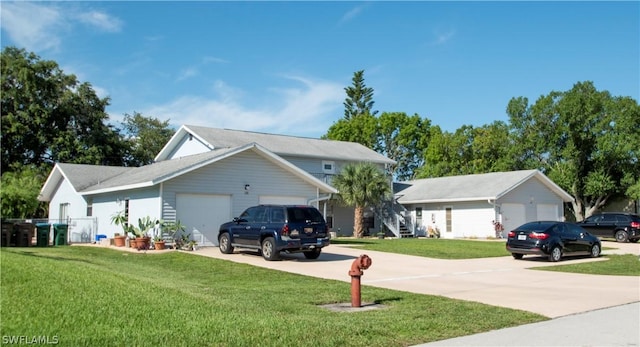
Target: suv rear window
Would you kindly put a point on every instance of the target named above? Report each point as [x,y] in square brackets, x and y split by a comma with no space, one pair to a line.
[302,215]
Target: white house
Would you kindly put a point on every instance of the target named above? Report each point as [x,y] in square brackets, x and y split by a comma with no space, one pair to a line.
[204,177]
[467,206]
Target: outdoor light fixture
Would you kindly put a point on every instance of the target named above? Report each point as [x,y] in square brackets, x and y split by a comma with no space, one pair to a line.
[246,188]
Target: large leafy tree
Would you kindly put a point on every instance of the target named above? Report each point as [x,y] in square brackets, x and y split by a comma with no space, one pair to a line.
[146,137]
[402,138]
[19,193]
[48,116]
[361,185]
[585,140]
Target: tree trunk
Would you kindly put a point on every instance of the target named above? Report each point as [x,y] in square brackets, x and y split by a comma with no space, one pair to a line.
[358,218]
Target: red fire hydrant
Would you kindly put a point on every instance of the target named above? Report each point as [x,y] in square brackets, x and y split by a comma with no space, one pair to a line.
[361,263]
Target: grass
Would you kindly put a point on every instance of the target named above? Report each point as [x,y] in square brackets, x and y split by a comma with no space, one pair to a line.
[89,296]
[432,248]
[621,265]
[615,265]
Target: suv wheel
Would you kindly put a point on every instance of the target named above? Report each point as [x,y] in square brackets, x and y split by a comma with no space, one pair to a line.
[313,254]
[622,236]
[555,254]
[269,249]
[225,244]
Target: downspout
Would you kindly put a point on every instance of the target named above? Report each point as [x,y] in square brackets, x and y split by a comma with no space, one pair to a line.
[161,197]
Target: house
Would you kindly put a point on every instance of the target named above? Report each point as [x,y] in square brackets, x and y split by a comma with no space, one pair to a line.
[467,206]
[204,177]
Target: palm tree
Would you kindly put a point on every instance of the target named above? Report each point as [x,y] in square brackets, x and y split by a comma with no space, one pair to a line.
[361,185]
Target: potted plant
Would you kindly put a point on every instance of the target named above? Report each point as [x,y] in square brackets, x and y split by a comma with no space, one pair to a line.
[158,243]
[141,232]
[120,219]
[175,231]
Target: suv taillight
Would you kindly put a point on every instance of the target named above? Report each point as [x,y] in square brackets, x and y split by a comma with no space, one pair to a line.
[539,236]
[635,225]
[512,234]
[285,230]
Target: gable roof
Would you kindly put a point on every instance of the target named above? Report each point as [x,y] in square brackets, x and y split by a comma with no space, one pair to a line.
[489,186]
[94,179]
[282,145]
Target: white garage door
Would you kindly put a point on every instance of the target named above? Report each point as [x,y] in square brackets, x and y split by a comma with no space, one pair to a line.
[202,215]
[282,200]
[513,216]
[547,212]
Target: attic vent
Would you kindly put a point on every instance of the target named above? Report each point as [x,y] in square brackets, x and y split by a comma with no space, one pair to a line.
[190,137]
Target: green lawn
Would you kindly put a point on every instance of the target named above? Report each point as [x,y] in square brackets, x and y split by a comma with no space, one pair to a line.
[616,264]
[627,265]
[89,296]
[432,248]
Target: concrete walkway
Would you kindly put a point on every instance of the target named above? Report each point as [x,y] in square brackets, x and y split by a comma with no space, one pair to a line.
[500,281]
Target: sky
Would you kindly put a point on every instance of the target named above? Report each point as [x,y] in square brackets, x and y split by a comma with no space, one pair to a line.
[282,67]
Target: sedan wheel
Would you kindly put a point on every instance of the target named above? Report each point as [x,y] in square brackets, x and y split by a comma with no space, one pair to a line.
[269,249]
[622,236]
[595,251]
[555,254]
[517,255]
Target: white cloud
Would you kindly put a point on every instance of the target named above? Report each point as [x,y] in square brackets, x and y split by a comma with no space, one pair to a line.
[40,27]
[101,21]
[443,37]
[352,13]
[306,109]
[31,26]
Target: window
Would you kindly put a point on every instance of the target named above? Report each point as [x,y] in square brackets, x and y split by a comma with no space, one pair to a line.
[328,167]
[448,219]
[63,214]
[89,207]
[419,212]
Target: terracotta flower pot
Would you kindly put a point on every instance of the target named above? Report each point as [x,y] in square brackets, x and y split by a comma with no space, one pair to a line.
[118,241]
[159,245]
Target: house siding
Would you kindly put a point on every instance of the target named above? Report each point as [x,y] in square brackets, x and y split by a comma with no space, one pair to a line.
[142,203]
[66,194]
[188,146]
[229,176]
[531,193]
[468,219]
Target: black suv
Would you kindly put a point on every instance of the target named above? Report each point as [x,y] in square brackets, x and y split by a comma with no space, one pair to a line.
[622,226]
[275,228]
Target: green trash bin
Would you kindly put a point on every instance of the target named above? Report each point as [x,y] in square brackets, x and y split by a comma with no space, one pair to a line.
[43,230]
[60,234]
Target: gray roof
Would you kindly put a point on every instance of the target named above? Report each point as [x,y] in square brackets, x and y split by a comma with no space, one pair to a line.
[94,179]
[470,187]
[282,145]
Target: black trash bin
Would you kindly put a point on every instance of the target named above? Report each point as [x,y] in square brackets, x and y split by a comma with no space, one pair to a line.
[60,234]
[7,230]
[43,230]
[24,234]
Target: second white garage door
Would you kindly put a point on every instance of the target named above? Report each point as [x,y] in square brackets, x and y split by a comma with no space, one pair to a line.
[202,215]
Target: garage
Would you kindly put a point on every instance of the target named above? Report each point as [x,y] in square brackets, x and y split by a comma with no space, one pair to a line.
[202,215]
[513,215]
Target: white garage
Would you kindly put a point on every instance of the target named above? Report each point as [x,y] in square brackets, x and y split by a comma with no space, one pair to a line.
[202,215]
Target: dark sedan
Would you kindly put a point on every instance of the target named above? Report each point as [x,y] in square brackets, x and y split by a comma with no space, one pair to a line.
[552,239]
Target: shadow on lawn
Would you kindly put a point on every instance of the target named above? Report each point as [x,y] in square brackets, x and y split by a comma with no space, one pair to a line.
[46,256]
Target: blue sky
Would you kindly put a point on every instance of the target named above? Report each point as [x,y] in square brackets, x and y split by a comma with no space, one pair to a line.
[281,67]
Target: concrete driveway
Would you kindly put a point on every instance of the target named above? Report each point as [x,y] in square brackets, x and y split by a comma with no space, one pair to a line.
[499,281]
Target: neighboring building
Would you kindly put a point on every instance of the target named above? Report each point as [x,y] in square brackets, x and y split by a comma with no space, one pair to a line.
[204,177]
[467,206]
